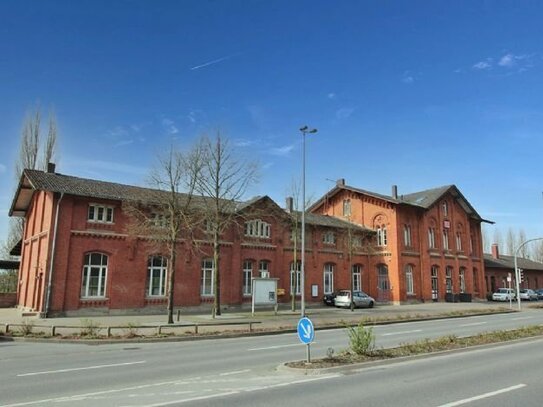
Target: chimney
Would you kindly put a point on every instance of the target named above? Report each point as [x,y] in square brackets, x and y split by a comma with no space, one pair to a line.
[51,168]
[340,182]
[290,204]
[495,251]
[395,191]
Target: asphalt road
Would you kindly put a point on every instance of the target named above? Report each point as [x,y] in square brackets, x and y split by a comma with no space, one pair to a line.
[242,371]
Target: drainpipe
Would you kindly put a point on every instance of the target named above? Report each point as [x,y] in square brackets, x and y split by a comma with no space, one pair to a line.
[50,277]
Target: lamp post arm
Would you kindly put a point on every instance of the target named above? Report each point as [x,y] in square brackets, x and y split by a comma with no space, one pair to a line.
[517,273]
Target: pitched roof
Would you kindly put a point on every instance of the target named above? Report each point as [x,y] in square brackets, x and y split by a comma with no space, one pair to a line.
[423,199]
[508,262]
[330,221]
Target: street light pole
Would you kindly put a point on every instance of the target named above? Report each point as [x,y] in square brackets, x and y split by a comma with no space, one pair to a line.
[304,131]
[517,273]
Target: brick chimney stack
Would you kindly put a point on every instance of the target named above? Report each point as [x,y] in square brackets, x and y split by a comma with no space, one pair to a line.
[495,251]
[395,191]
[290,204]
[51,168]
[340,182]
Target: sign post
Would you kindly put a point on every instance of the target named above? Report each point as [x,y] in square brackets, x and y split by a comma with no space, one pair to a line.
[306,334]
[510,294]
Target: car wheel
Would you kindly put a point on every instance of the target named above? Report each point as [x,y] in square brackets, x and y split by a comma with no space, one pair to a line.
[370,305]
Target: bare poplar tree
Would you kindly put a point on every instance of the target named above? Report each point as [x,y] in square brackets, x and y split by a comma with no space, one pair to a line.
[511,242]
[487,243]
[167,215]
[497,239]
[223,182]
[524,251]
[50,144]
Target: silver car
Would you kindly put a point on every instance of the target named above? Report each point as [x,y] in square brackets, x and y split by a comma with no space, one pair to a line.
[503,294]
[360,299]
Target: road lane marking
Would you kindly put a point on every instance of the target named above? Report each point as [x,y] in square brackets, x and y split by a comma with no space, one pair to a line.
[80,368]
[277,346]
[211,396]
[519,318]
[402,332]
[483,396]
[235,372]
[473,324]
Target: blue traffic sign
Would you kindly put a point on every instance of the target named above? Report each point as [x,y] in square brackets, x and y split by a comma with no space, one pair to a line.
[306,332]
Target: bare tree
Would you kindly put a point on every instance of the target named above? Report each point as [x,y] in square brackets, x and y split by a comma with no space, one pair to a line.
[487,243]
[497,239]
[524,251]
[50,144]
[537,251]
[168,213]
[224,180]
[511,242]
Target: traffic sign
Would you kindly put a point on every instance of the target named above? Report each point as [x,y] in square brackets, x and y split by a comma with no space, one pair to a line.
[306,332]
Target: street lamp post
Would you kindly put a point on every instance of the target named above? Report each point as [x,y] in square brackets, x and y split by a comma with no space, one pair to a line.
[517,273]
[305,130]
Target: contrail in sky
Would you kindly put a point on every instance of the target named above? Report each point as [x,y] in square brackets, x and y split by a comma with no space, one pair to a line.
[215,61]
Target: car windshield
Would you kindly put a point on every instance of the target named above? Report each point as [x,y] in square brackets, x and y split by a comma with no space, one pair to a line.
[344,294]
[503,290]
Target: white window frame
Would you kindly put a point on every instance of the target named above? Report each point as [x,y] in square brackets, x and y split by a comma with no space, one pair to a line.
[264,268]
[91,271]
[247,283]
[458,241]
[329,237]
[346,207]
[382,236]
[448,279]
[462,277]
[258,228]
[97,213]
[328,278]
[207,278]
[445,208]
[162,271]
[409,282]
[407,235]
[296,278]
[356,271]
[431,238]
[446,239]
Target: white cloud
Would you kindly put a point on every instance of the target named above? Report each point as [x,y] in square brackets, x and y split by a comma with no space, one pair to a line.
[2,168]
[118,131]
[169,126]
[282,151]
[344,113]
[267,165]
[483,65]
[331,95]
[98,167]
[507,60]
[243,143]
[123,143]
[408,79]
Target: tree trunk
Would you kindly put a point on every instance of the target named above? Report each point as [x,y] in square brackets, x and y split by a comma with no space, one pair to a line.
[216,276]
[171,282]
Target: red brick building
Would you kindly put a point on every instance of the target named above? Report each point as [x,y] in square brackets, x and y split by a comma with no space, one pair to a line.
[78,258]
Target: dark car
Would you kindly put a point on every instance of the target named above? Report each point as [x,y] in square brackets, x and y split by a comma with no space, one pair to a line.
[328,299]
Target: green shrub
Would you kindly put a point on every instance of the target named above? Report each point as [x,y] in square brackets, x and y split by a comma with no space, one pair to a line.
[361,339]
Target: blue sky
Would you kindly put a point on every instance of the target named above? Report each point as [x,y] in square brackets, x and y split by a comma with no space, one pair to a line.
[414,93]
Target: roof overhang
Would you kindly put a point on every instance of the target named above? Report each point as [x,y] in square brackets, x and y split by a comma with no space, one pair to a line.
[22,198]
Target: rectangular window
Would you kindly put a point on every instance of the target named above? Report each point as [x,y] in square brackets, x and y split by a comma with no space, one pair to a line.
[459,242]
[357,277]
[328,278]
[445,239]
[347,207]
[462,276]
[157,268]
[381,236]
[407,235]
[448,279]
[94,276]
[329,238]
[208,270]
[264,269]
[431,238]
[296,278]
[100,214]
[247,277]
[409,286]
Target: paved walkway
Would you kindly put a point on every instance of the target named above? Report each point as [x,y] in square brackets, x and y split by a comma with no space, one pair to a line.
[264,319]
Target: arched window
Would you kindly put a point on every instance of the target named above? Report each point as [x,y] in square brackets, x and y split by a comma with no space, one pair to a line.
[295,278]
[431,238]
[157,271]
[257,228]
[206,284]
[328,278]
[383,282]
[346,207]
[448,279]
[462,278]
[357,277]
[407,235]
[247,277]
[94,275]
[409,285]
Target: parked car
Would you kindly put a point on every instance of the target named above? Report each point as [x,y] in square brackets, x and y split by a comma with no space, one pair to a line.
[360,299]
[539,293]
[503,294]
[527,294]
[328,299]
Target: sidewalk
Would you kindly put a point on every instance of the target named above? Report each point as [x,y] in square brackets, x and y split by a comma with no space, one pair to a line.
[264,319]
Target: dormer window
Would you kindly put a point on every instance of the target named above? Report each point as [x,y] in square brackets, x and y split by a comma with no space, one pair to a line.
[258,228]
[100,214]
[329,238]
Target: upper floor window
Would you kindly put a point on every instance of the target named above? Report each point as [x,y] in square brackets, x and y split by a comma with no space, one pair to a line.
[458,241]
[431,238]
[356,241]
[257,228]
[347,207]
[445,208]
[264,269]
[445,239]
[407,235]
[94,275]
[382,236]
[296,234]
[100,213]
[329,237]
[159,220]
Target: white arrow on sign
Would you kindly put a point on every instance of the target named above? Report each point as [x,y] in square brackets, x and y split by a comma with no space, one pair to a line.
[307,331]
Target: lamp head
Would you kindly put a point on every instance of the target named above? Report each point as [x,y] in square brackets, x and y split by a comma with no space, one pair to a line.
[312,131]
[304,128]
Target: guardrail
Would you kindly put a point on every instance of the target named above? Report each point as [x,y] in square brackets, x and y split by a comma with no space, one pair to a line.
[159,329]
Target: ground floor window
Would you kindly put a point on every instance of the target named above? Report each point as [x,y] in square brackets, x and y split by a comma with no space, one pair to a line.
[448,279]
[296,278]
[409,286]
[383,282]
[157,270]
[94,275]
[328,278]
[247,277]
[357,277]
[264,269]
[208,269]
[462,278]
